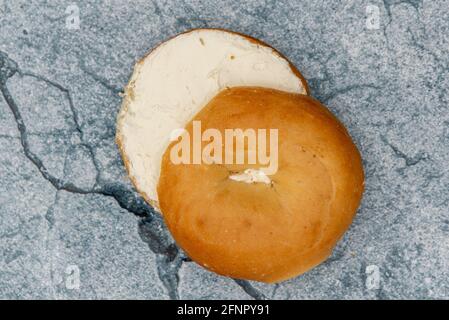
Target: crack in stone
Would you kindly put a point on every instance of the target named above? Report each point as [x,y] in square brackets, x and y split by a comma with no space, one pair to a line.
[152,230]
[250,290]
[157,8]
[389,4]
[168,272]
[409,161]
[100,80]
[151,226]
[420,46]
[56,182]
[275,289]
[347,89]
[11,255]
[73,111]
[317,85]
[432,177]
[126,198]
[192,18]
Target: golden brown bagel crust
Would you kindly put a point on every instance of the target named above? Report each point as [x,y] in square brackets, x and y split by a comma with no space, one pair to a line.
[260,231]
[128,96]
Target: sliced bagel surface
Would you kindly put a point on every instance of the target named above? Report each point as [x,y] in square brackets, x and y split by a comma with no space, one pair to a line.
[177,79]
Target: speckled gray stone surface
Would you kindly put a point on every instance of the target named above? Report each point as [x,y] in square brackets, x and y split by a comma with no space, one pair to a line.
[71,225]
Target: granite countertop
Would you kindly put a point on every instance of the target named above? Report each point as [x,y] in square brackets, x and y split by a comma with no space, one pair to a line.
[71,225]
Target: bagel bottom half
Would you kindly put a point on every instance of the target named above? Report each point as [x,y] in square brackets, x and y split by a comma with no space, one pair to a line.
[261,231]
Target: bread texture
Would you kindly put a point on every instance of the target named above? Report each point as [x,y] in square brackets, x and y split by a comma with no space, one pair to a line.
[273,231]
[176,79]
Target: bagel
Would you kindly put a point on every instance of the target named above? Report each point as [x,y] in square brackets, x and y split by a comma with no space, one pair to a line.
[266,227]
[174,81]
